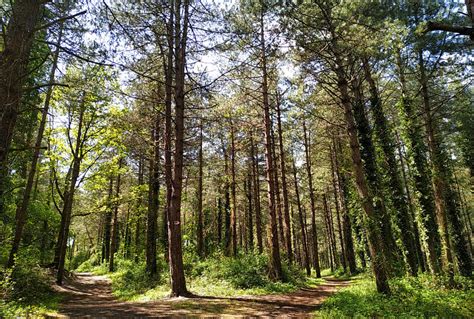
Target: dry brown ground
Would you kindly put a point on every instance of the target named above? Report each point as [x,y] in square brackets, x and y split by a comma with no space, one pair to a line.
[89,296]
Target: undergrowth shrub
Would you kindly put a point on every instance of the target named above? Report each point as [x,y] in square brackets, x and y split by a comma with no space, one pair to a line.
[92,264]
[425,296]
[131,278]
[244,271]
[26,289]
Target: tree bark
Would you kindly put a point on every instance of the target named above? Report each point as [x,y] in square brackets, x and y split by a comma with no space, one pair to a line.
[227,233]
[387,144]
[178,283]
[250,211]
[115,228]
[22,209]
[332,155]
[153,198]
[200,225]
[346,221]
[14,59]
[281,234]
[302,223]
[284,186]
[421,174]
[69,195]
[314,234]
[233,212]
[108,223]
[275,264]
[372,215]
[447,210]
[256,192]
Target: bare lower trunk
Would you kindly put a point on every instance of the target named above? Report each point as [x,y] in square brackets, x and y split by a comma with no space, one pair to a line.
[314,233]
[200,226]
[302,223]
[233,212]
[284,186]
[115,229]
[153,198]
[256,192]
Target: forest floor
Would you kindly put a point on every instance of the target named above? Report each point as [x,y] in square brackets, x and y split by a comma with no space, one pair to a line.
[88,295]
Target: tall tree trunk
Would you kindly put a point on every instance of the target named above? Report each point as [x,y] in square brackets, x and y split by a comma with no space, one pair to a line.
[372,214]
[256,192]
[227,234]
[419,252]
[69,195]
[346,220]
[233,212]
[314,234]
[332,155]
[399,201]
[284,186]
[445,198]
[22,209]
[178,283]
[139,203]
[219,221]
[329,233]
[275,261]
[108,223]
[302,223]
[14,59]
[153,198]
[200,225]
[115,228]
[373,177]
[249,194]
[168,65]
[421,174]
[281,234]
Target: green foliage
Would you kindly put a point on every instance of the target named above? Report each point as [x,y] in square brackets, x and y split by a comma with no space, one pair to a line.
[80,258]
[422,297]
[131,278]
[244,272]
[26,290]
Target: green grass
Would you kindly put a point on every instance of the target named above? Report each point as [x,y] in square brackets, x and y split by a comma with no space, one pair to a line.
[422,297]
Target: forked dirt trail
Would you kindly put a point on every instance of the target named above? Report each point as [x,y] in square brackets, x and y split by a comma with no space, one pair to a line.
[90,296]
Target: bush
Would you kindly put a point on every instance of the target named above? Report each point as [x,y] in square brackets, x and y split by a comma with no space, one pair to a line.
[80,258]
[424,296]
[246,271]
[91,265]
[26,289]
[131,278]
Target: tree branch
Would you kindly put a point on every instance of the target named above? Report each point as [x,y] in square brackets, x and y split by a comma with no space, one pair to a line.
[438,26]
[47,25]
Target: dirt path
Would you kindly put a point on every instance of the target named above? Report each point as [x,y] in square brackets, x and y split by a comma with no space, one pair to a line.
[90,296]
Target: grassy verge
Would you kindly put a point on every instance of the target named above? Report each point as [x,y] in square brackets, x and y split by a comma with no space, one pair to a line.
[422,297]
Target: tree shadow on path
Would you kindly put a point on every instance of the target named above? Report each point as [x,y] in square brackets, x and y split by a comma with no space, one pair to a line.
[90,296]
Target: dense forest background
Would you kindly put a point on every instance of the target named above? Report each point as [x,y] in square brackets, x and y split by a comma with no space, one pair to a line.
[255,141]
